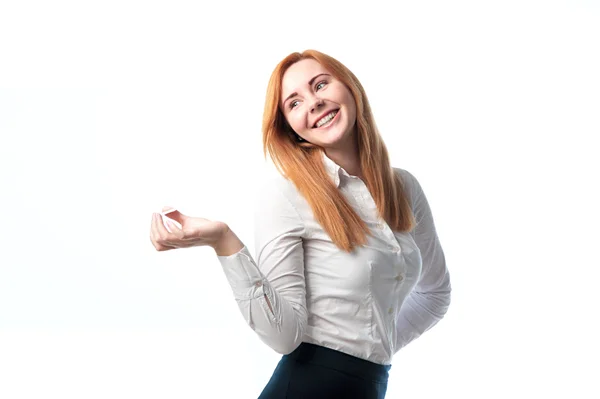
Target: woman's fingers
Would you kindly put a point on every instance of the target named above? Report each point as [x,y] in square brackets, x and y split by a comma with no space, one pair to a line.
[154,235]
[173,214]
[167,232]
[175,229]
[160,236]
[176,238]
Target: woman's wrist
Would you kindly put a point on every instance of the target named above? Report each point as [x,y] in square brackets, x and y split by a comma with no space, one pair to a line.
[228,243]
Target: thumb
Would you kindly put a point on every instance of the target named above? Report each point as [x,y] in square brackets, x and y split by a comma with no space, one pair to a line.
[173,213]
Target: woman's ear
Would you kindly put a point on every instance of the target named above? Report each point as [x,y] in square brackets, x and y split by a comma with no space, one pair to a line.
[288,129]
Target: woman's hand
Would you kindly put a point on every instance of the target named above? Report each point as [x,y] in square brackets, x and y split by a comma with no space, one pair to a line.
[194,231]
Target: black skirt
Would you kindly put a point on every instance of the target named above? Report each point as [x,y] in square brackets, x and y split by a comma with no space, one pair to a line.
[316,372]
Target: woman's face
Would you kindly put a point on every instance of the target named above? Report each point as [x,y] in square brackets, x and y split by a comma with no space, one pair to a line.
[318,107]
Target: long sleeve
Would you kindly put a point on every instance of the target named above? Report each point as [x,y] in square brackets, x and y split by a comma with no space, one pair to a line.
[428,302]
[270,292]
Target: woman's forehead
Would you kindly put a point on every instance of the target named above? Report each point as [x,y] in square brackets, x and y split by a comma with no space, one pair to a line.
[299,74]
[305,66]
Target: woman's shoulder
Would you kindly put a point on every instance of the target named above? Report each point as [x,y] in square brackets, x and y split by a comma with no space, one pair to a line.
[408,179]
[275,182]
[274,190]
[278,202]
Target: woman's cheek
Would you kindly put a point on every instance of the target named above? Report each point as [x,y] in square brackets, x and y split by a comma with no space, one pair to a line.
[296,124]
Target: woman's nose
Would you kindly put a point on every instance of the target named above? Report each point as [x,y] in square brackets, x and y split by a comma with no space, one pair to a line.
[317,103]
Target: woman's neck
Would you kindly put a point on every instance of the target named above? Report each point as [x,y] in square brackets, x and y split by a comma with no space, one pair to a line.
[346,158]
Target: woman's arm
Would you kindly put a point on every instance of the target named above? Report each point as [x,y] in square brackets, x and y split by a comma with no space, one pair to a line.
[270,292]
[428,302]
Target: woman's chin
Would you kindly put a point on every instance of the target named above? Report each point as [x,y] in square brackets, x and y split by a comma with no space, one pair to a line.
[331,142]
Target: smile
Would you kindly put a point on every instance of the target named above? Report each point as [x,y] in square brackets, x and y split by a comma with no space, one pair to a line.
[326,120]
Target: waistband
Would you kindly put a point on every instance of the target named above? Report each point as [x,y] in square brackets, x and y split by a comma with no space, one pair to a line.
[320,355]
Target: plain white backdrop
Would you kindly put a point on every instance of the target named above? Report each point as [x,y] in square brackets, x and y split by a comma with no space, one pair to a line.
[110,110]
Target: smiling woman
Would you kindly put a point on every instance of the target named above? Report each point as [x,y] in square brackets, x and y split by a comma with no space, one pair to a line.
[320,108]
[348,266]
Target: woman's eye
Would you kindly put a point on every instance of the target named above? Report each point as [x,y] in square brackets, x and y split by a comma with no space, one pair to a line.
[320,85]
[293,103]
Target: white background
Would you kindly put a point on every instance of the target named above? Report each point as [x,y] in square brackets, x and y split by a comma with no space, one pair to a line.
[110,110]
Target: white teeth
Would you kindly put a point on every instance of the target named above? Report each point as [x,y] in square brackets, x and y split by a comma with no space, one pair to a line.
[326,118]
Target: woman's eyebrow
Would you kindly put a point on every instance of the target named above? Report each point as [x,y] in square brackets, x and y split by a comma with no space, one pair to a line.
[310,82]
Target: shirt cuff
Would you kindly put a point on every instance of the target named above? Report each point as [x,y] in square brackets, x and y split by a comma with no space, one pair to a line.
[242,273]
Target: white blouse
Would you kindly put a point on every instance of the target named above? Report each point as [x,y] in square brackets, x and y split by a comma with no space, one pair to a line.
[368,303]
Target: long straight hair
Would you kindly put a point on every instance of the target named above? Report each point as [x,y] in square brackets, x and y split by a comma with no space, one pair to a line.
[302,162]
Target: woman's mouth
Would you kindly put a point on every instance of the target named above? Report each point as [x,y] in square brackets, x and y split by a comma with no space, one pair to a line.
[326,120]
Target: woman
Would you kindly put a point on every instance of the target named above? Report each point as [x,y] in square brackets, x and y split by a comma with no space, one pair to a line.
[348,266]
